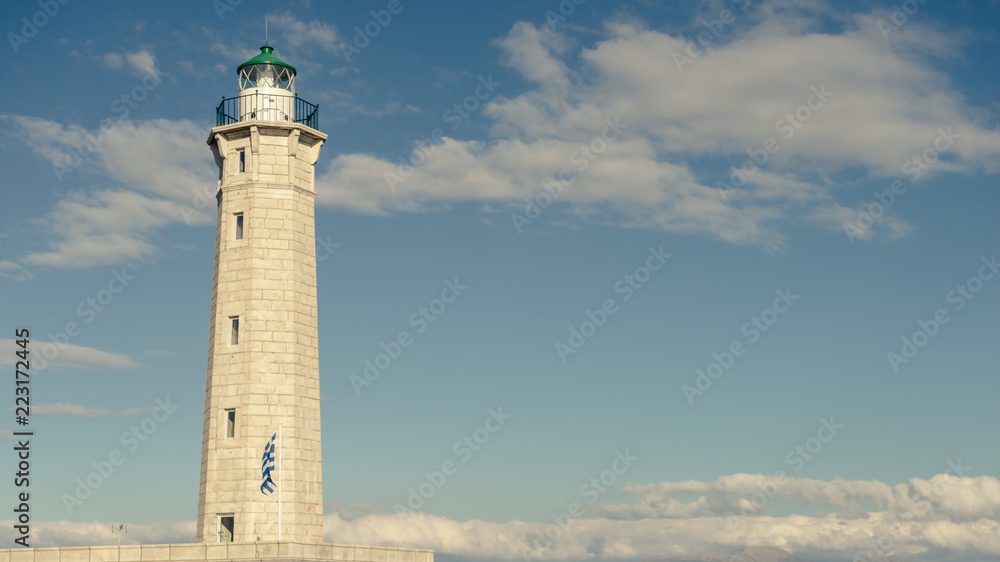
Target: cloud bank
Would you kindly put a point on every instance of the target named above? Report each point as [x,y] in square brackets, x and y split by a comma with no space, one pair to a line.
[771,95]
[944,517]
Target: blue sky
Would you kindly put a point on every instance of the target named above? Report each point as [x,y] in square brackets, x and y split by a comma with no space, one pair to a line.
[838,97]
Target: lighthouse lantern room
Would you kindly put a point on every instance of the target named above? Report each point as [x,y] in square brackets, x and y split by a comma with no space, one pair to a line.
[267,93]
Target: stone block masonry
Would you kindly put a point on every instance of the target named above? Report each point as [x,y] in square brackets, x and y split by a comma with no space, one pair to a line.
[263,361]
[284,551]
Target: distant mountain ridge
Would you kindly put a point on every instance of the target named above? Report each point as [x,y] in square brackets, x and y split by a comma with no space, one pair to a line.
[750,554]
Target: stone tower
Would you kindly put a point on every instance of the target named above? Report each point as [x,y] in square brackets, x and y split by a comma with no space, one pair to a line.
[263,366]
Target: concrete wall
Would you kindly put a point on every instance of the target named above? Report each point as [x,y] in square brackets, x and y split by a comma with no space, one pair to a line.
[224,551]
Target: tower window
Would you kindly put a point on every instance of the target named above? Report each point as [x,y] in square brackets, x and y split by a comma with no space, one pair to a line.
[226,524]
[239,226]
[234,338]
[230,423]
[243,161]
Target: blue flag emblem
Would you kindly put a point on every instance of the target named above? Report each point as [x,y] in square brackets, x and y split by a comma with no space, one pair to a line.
[267,466]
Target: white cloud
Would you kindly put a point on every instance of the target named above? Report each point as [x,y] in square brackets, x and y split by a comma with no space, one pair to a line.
[48,139]
[962,527]
[12,270]
[231,53]
[150,165]
[95,533]
[963,522]
[343,70]
[142,63]
[729,100]
[297,33]
[110,60]
[68,355]
[346,101]
[607,539]
[534,53]
[154,156]
[67,409]
[105,228]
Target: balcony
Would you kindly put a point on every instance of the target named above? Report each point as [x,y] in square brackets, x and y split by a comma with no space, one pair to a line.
[267,107]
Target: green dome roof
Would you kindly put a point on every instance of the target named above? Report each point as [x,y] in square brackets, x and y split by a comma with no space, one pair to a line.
[266,56]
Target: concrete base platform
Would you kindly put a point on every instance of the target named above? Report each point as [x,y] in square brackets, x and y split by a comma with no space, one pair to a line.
[253,551]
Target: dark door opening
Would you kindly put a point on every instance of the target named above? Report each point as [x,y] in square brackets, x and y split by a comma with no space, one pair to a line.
[226,523]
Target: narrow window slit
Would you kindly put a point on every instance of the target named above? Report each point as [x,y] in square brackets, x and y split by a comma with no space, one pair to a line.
[235,336]
[230,423]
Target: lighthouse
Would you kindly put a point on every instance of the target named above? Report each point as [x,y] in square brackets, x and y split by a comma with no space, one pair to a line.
[261,490]
[263,365]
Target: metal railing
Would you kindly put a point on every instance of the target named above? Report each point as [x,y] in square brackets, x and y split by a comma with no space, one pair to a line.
[267,107]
